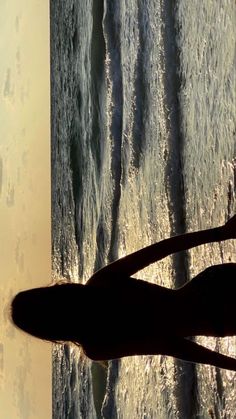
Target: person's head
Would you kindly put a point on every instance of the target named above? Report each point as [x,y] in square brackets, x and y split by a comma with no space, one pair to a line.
[47,312]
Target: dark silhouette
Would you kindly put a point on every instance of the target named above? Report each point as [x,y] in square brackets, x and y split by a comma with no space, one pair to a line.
[115,315]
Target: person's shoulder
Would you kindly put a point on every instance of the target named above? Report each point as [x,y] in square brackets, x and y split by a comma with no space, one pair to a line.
[98,278]
[103,278]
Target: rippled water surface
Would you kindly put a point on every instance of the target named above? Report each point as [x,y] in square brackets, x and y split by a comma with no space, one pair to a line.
[143,147]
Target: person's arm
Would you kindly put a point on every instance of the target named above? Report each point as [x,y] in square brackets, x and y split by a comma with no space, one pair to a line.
[192,352]
[180,348]
[138,260]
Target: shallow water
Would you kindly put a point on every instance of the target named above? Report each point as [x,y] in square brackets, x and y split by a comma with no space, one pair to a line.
[143,146]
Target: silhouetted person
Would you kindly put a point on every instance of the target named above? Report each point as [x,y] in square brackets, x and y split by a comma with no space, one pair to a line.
[115,315]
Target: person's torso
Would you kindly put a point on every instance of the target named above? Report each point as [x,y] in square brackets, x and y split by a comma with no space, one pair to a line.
[131,310]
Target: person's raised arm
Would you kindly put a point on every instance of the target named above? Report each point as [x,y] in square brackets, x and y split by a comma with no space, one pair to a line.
[138,260]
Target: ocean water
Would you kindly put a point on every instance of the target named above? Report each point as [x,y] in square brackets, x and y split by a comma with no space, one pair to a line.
[143,147]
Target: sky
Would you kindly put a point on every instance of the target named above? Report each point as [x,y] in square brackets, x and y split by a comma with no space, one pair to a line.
[25,229]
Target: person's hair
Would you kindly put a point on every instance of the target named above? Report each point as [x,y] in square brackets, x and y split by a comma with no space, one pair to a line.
[44,312]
